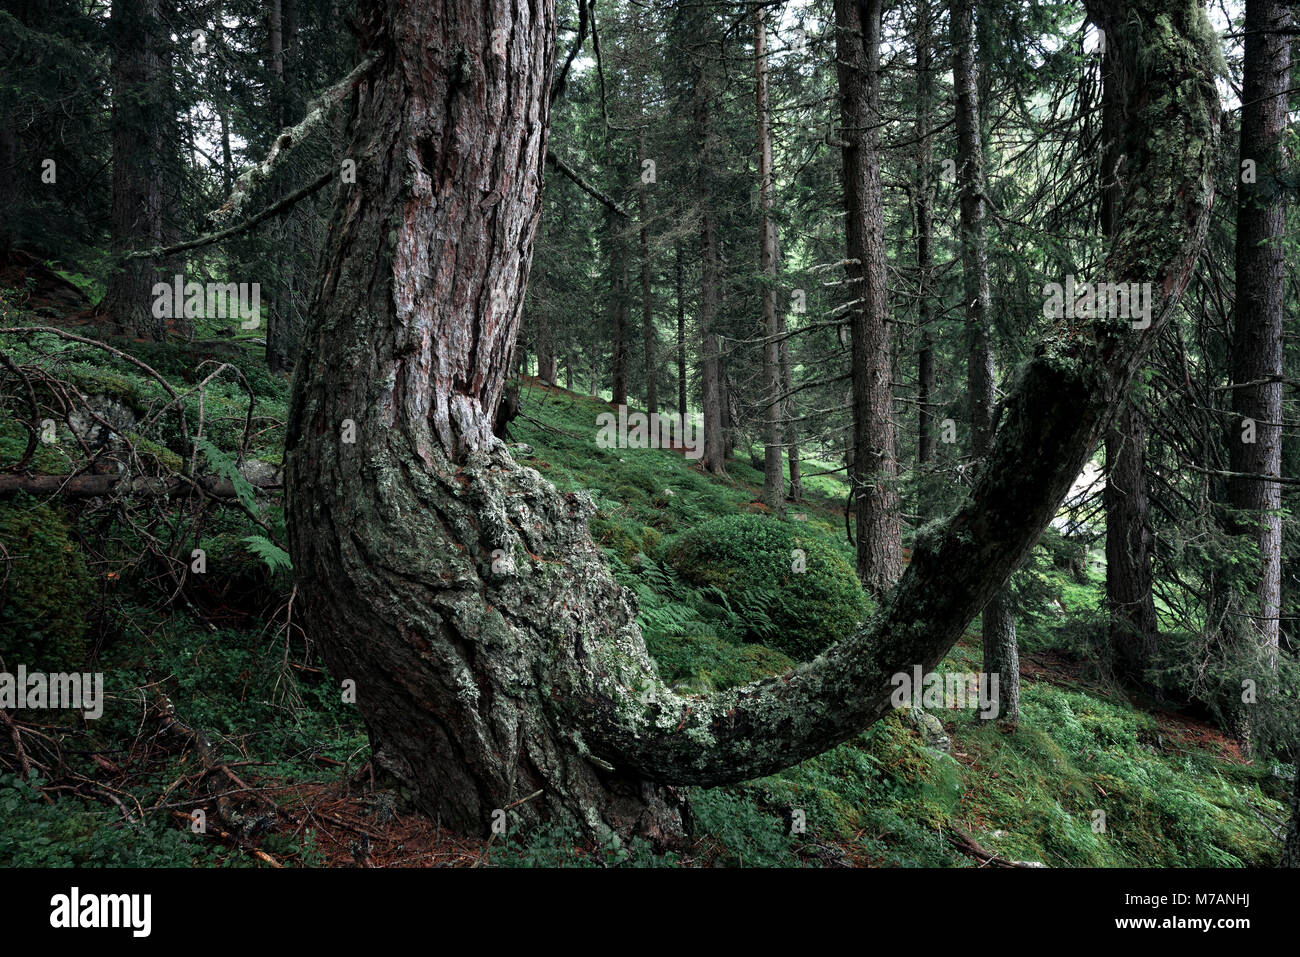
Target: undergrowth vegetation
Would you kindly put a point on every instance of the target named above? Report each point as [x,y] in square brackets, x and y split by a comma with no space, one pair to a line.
[1087,779]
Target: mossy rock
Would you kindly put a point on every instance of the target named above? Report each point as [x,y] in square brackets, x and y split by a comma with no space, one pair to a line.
[809,593]
[45,598]
[160,454]
[94,380]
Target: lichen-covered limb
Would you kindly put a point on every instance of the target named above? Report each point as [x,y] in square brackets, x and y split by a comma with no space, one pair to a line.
[318,113]
[1050,424]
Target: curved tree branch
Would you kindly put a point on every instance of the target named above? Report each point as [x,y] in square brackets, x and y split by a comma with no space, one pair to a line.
[1051,423]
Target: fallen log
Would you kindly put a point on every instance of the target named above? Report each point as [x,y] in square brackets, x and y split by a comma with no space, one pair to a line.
[89,485]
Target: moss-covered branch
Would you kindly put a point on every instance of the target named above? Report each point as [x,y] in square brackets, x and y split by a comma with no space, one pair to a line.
[1049,427]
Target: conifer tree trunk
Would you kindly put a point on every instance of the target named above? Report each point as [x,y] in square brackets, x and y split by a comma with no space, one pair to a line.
[1001,657]
[879,525]
[927,439]
[283,315]
[222,107]
[730,411]
[618,296]
[137,149]
[791,429]
[1131,604]
[681,336]
[547,362]
[1259,310]
[647,298]
[773,494]
[711,388]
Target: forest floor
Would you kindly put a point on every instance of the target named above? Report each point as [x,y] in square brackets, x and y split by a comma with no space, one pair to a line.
[217,702]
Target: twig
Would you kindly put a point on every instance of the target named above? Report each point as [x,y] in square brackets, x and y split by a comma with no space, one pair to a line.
[162,252]
[592,191]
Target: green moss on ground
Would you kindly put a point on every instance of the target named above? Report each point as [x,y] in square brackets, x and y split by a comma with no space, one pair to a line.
[880,799]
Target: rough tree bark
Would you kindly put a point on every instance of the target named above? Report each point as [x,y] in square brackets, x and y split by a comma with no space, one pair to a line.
[275,40]
[730,410]
[879,526]
[647,296]
[1257,322]
[714,458]
[283,319]
[137,148]
[619,288]
[417,541]
[497,663]
[175,131]
[998,624]
[1129,599]
[927,439]
[681,335]
[773,494]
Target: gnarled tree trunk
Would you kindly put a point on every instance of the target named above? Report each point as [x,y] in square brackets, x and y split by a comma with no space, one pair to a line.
[455,588]
[497,664]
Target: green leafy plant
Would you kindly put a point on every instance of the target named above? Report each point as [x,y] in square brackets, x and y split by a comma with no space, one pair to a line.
[275,557]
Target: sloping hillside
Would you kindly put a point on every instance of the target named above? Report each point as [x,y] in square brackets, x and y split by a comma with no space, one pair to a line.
[215,699]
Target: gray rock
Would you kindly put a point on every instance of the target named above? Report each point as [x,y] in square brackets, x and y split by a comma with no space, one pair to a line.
[262,474]
[119,416]
[929,728]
